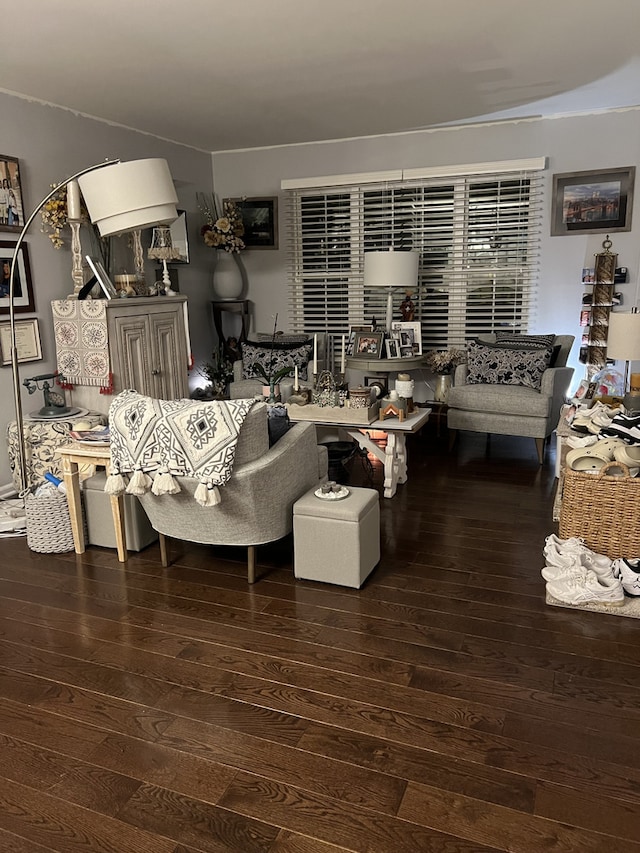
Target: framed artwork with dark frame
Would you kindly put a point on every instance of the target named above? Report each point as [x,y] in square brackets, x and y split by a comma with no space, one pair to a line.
[368,345]
[350,348]
[11,204]
[260,220]
[23,300]
[592,202]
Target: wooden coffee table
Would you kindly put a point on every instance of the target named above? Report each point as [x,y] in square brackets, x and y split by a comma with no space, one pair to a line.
[394,454]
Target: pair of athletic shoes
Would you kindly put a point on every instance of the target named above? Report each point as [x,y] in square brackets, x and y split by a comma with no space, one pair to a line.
[577,575]
[594,419]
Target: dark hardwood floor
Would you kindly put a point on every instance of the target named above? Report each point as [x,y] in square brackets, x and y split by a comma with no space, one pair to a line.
[443,707]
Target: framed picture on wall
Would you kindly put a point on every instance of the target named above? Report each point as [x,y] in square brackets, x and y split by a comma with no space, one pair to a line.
[592,202]
[28,344]
[23,288]
[11,206]
[260,220]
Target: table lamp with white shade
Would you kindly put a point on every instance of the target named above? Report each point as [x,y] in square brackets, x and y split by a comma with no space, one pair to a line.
[119,197]
[391,269]
[623,343]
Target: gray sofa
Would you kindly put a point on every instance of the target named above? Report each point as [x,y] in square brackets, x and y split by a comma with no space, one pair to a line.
[511,409]
[257,501]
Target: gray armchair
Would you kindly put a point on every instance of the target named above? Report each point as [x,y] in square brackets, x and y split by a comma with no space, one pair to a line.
[257,501]
[511,409]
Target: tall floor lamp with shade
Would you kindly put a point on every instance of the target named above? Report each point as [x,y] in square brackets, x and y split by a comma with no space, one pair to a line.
[623,343]
[119,197]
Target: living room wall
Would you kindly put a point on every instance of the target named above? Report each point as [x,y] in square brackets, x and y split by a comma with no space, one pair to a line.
[52,144]
[570,144]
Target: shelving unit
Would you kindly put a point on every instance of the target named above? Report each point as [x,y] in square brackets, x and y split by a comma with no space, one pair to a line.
[598,298]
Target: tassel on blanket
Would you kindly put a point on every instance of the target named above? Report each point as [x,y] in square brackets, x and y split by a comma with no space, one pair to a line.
[139,483]
[207,495]
[165,484]
[115,484]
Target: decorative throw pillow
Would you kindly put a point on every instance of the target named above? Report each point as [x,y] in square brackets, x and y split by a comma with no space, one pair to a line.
[530,341]
[274,356]
[492,364]
[509,339]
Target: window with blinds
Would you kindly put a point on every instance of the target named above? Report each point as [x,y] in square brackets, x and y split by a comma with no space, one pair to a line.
[477,233]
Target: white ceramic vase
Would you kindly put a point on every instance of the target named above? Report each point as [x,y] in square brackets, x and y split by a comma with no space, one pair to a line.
[227,276]
[441,391]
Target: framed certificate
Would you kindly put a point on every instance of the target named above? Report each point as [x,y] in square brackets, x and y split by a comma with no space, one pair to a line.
[27,341]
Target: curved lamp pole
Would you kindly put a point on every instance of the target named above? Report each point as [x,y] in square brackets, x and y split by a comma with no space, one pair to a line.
[17,397]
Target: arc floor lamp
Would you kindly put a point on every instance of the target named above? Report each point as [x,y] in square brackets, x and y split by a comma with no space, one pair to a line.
[119,197]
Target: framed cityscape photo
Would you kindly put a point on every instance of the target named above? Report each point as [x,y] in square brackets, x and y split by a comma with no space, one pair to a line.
[260,220]
[592,202]
[11,205]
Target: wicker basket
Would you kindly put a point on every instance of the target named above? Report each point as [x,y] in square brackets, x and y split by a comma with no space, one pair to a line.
[603,510]
[48,523]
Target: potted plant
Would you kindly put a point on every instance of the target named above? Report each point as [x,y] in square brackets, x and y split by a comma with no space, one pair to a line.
[271,377]
[442,363]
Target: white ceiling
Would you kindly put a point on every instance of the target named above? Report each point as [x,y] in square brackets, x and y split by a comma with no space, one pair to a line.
[224,75]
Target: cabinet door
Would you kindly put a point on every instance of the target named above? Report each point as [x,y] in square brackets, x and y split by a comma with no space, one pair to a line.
[168,356]
[148,352]
[131,355]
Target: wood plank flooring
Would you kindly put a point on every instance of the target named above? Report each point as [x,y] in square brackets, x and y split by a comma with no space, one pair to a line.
[443,708]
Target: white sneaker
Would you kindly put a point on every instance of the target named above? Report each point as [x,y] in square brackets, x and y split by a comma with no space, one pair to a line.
[567,565]
[554,547]
[587,589]
[628,573]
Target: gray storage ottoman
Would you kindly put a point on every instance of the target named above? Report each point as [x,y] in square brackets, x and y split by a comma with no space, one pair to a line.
[337,541]
[97,505]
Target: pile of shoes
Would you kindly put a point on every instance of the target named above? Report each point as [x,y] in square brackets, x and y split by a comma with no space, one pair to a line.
[577,575]
[608,435]
[595,419]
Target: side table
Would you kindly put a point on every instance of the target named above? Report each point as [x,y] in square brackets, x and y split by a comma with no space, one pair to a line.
[42,438]
[73,455]
[438,413]
[240,307]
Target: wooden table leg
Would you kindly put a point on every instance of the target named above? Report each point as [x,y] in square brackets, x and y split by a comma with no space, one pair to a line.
[117,512]
[72,484]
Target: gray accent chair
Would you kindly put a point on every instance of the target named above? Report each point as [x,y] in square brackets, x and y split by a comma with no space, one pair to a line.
[511,409]
[257,501]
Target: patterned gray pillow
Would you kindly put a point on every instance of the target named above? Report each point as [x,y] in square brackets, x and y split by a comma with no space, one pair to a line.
[531,341]
[497,365]
[274,356]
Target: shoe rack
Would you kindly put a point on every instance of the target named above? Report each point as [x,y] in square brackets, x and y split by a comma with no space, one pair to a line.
[598,298]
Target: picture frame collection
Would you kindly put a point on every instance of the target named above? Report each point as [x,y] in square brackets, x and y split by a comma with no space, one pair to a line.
[404,341]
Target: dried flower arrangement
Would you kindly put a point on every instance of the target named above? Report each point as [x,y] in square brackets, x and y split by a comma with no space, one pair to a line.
[221,231]
[444,361]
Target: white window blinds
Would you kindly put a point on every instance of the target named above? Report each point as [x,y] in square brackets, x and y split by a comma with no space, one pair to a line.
[478,235]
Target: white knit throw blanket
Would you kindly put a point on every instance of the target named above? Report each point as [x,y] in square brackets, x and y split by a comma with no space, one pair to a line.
[155,440]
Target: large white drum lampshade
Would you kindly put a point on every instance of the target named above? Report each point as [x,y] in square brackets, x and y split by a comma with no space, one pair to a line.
[129,196]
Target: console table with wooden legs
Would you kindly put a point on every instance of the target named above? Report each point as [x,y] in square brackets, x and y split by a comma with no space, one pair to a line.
[72,456]
[393,455]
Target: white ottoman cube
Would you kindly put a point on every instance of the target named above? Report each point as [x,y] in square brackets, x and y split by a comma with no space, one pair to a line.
[337,541]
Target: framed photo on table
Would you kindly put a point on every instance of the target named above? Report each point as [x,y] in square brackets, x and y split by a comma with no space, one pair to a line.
[592,202]
[23,287]
[11,205]
[409,337]
[368,345]
[350,348]
[393,347]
